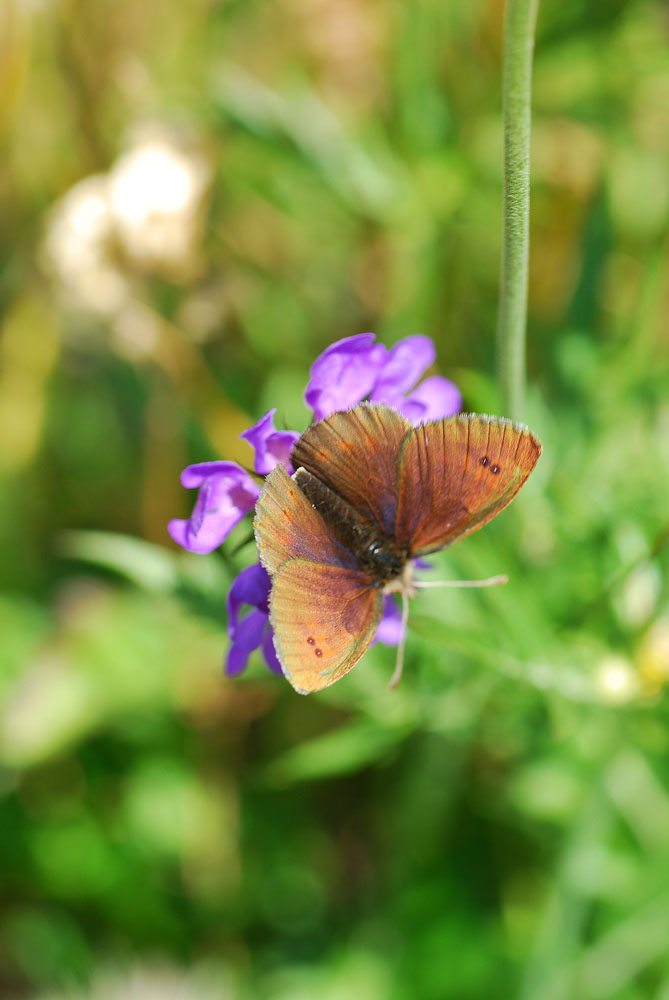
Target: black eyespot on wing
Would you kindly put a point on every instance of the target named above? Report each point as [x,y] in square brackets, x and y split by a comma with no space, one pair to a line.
[485,462]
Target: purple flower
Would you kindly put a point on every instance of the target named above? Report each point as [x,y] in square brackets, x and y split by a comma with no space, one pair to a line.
[355,368]
[404,365]
[432,399]
[227,493]
[250,587]
[271,446]
[344,374]
[389,631]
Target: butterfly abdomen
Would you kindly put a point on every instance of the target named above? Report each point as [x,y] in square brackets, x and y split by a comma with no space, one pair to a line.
[377,555]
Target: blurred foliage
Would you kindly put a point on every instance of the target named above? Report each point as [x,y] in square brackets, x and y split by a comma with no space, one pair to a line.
[198,198]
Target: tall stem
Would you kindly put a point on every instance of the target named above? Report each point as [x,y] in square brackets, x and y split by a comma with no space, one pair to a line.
[519,26]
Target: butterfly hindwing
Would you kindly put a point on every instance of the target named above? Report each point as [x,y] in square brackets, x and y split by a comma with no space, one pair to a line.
[324,618]
[456,475]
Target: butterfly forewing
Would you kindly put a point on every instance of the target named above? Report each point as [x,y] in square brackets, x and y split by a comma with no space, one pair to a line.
[456,475]
[355,453]
[287,527]
[324,618]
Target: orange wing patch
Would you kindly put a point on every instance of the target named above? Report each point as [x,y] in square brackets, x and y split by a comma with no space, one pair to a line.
[324,618]
[456,475]
[286,527]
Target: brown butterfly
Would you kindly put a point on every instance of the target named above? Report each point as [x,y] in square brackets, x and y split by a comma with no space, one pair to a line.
[371,493]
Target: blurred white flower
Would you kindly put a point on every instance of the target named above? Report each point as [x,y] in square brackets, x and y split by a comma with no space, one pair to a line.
[77,248]
[616,680]
[145,214]
[156,192]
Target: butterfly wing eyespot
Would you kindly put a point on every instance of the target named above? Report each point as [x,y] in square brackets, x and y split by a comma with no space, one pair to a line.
[493,466]
[457,477]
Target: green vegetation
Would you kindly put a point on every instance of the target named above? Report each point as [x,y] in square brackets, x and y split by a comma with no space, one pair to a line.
[199,197]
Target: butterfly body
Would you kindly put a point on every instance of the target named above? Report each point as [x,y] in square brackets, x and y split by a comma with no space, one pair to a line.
[377,554]
[371,493]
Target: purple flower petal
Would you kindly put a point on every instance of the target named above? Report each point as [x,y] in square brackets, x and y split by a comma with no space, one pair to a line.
[272,447]
[436,397]
[227,493]
[248,635]
[356,367]
[251,586]
[236,660]
[422,564]
[269,652]
[389,631]
[404,365]
[344,374]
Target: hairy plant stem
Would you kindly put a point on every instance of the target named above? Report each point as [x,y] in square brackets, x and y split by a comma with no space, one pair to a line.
[519,26]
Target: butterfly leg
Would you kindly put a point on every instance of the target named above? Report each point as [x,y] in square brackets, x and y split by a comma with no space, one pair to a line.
[395,679]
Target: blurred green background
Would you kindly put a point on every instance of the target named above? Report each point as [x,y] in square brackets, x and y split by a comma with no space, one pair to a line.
[197,199]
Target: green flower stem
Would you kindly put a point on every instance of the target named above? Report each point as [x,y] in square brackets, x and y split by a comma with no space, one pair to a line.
[519,25]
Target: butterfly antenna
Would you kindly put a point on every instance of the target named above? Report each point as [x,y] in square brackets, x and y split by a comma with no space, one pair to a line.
[395,679]
[492,581]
